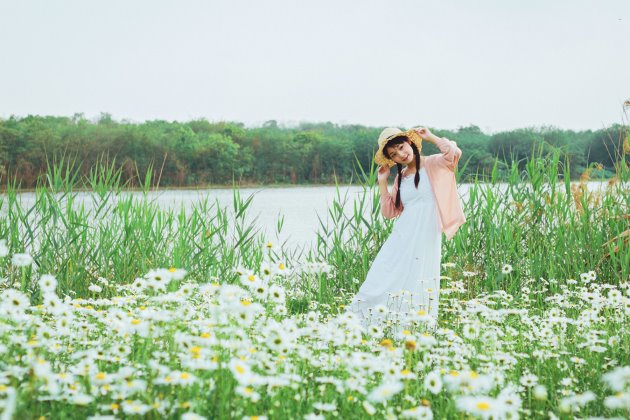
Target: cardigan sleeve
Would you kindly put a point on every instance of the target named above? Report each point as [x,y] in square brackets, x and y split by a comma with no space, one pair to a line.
[388,201]
[450,153]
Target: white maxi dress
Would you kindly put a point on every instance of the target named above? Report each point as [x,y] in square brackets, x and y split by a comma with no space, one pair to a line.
[404,278]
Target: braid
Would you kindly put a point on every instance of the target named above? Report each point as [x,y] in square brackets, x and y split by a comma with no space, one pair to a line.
[399,166]
[416,179]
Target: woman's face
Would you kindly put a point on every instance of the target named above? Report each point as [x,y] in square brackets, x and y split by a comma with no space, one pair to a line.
[401,153]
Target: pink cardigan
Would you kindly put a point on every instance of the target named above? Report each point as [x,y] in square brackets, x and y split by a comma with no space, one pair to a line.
[440,169]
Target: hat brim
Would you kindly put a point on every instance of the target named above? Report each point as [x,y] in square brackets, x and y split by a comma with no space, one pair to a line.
[379,157]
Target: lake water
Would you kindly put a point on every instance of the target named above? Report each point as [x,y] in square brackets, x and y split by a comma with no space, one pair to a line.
[300,206]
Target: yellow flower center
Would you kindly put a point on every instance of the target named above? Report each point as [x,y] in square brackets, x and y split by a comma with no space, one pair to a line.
[386,342]
[483,405]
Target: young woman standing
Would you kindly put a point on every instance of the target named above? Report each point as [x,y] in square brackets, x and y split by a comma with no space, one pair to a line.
[404,279]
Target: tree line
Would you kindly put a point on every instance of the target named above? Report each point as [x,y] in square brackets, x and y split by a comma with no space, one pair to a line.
[199,152]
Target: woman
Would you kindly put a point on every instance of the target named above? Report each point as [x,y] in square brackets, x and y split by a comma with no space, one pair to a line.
[403,282]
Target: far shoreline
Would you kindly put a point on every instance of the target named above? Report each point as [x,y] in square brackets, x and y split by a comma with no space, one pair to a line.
[254,185]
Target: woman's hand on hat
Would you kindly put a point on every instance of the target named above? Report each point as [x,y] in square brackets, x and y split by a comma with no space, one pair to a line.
[423,132]
[383,173]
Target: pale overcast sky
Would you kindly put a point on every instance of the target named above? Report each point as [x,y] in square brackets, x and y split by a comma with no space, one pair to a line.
[499,64]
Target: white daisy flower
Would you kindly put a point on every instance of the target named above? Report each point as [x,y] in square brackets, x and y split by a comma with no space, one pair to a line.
[21,260]
[482,406]
[385,391]
[135,407]
[82,399]
[325,406]
[540,392]
[138,285]
[618,378]
[470,330]
[241,371]
[95,288]
[247,392]
[14,303]
[419,412]
[433,382]
[261,290]
[529,380]
[47,283]
[276,294]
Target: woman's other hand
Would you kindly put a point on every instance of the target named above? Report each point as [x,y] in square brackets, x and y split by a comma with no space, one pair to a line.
[383,173]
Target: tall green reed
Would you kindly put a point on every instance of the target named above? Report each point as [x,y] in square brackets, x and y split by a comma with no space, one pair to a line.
[543,225]
[106,231]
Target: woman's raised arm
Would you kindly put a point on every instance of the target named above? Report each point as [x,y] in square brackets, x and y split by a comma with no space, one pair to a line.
[448,148]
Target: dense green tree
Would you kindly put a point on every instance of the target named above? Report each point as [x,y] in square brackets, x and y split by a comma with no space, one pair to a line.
[200,152]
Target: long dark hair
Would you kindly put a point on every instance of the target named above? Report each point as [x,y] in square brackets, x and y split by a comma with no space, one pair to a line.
[416,153]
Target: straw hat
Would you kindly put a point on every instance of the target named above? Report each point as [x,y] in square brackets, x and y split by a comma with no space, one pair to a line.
[388,134]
